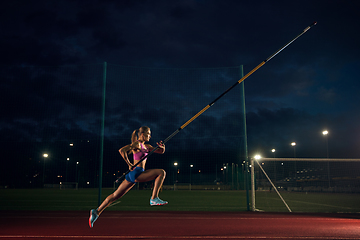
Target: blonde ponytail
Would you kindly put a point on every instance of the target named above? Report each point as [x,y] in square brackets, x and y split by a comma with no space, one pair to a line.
[134,137]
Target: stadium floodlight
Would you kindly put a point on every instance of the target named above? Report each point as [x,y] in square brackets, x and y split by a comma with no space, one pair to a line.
[257,157]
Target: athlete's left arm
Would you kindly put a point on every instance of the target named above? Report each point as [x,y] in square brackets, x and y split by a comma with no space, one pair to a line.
[160,149]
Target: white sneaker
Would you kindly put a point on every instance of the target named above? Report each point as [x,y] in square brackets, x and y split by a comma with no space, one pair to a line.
[157,202]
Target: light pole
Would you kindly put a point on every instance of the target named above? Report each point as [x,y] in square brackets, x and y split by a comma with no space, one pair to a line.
[223,173]
[67,162]
[273,151]
[175,175]
[45,155]
[224,170]
[76,173]
[294,145]
[191,166]
[325,133]
[71,145]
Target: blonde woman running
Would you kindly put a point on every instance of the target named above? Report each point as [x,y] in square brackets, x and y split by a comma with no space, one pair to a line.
[137,174]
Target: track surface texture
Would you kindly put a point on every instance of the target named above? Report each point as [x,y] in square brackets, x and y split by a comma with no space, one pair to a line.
[177,225]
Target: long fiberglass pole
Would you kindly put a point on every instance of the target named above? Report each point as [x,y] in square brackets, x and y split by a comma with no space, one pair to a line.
[212,103]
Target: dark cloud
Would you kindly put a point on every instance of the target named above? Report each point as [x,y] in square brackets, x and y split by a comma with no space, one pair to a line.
[52,71]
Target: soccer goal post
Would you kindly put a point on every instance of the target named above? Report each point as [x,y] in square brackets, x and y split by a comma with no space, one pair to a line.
[305,184]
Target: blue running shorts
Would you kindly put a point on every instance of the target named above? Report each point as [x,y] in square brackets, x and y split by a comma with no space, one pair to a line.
[132,175]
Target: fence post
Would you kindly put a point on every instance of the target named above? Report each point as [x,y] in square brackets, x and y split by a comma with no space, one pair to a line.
[102,134]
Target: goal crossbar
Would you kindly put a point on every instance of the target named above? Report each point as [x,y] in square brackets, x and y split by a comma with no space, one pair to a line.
[311,159]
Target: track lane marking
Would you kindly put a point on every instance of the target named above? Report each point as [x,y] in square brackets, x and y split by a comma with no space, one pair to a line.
[178,237]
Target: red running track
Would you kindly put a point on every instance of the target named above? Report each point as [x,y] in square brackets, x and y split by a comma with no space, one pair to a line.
[178,225]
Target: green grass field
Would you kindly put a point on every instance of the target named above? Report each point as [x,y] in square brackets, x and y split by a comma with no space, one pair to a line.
[135,200]
[308,202]
[180,200]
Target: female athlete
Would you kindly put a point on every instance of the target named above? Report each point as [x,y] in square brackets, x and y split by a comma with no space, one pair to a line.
[136,174]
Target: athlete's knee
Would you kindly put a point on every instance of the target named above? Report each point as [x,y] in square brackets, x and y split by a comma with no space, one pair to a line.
[162,172]
[111,197]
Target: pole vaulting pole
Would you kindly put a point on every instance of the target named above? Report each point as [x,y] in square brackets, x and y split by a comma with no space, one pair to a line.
[212,103]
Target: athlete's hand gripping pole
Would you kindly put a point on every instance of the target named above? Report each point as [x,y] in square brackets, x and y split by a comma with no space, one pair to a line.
[212,103]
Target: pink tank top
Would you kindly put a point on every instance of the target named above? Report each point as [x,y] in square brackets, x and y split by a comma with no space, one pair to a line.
[142,153]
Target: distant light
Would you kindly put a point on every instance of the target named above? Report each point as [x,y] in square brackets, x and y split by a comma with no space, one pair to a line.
[273,150]
[71,144]
[87,183]
[68,159]
[77,163]
[257,157]
[191,165]
[175,163]
[293,144]
[325,132]
[45,155]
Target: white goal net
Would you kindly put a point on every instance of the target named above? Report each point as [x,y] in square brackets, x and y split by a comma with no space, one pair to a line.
[305,184]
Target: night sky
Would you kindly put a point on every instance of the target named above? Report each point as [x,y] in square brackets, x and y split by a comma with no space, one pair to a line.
[311,86]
